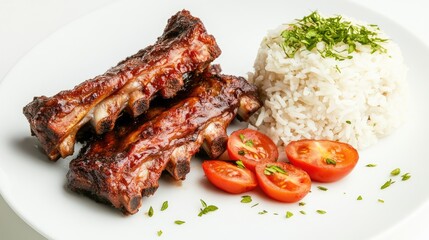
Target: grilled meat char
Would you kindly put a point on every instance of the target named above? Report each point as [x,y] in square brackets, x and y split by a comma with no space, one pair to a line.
[184,49]
[124,165]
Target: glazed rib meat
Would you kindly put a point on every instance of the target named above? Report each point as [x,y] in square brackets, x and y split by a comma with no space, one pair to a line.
[125,164]
[184,49]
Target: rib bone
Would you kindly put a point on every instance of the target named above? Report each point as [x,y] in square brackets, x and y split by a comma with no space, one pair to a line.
[184,49]
[124,165]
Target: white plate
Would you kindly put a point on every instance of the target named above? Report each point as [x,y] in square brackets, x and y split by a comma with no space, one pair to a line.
[34,187]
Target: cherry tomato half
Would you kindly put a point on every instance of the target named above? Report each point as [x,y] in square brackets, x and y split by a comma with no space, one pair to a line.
[323,160]
[251,147]
[283,181]
[229,177]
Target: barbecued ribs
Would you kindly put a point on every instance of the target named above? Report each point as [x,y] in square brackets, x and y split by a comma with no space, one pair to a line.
[122,166]
[184,49]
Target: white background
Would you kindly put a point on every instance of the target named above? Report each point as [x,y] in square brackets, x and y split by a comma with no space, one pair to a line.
[24,23]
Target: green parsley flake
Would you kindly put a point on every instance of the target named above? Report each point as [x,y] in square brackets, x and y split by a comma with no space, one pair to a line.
[206,208]
[164,205]
[359,197]
[150,212]
[203,203]
[249,143]
[301,203]
[321,211]
[241,152]
[302,212]
[330,161]
[179,222]
[380,200]
[338,68]
[254,205]
[246,199]
[387,184]
[348,122]
[242,137]
[406,176]
[312,29]
[395,172]
[240,164]
[273,169]
[322,188]
[289,214]
[371,165]
[159,233]
[262,212]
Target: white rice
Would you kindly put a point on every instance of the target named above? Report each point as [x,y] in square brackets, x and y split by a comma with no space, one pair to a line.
[357,100]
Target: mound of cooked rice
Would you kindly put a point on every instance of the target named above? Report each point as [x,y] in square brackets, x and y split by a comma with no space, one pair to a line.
[357,100]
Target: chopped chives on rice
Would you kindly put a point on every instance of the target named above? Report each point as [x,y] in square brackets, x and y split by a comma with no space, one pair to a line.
[307,97]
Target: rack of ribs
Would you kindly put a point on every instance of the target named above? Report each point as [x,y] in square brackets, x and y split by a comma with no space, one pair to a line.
[122,166]
[184,49]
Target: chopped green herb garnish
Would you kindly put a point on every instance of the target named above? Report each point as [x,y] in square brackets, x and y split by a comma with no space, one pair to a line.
[302,212]
[242,137]
[249,143]
[321,211]
[371,165]
[275,214]
[301,203]
[322,188]
[204,204]
[164,205]
[206,208]
[380,200]
[150,212]
[159,233]
[241,152]
[395,172]
[262,212]
[240,164]
[179,222]
[338,68]
[387,184]
[359,197]
[289,214]
[312,29]
[348,122]
[406,176]
[273,169]
[246,199]
[210,208]
[331,161]
[254,205]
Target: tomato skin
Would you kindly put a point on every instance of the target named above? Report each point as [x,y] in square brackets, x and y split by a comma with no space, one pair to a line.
[228,177]
[290,187]
[312,155]
[262,147]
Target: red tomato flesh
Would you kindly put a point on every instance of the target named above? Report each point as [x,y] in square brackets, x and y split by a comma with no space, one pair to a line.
[290,186]
[251,147]
[229,177]
[323,160]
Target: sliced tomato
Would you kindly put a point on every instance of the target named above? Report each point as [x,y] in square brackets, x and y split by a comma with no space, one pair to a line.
[229,177]
[251,147]
[283,181]
[323,160]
